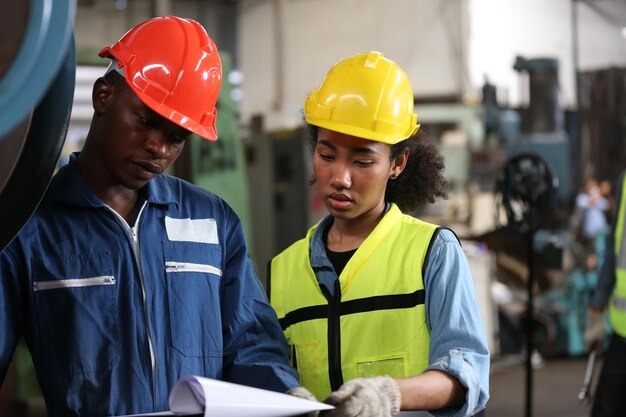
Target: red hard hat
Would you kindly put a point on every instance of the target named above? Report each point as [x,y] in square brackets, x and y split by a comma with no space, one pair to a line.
[174,67]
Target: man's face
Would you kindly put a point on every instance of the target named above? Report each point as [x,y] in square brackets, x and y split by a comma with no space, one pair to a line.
[136,144]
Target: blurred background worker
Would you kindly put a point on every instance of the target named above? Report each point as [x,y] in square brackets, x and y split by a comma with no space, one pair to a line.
[378,306]
[126,279]
[592,206]
[611,291]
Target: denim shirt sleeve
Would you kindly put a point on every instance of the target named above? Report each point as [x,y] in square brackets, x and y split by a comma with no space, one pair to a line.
[458,343]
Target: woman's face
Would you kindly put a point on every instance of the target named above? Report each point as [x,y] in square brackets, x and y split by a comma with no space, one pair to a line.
[352,174]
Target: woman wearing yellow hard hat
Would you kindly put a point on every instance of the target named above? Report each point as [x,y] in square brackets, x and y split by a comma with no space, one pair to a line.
[378,306]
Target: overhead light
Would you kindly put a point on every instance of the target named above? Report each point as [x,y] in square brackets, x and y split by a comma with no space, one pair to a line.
[121,4]
[236,94]
[624,32]
[235,77]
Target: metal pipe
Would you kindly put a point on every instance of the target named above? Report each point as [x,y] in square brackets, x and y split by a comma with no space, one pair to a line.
[575,47]
[161,7]
[278,54]
[529,327]
[584,394]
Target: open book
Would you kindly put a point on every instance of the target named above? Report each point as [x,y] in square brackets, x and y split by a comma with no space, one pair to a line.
[198,396]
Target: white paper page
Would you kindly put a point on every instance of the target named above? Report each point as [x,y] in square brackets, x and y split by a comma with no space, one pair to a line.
[225,399]
[162,413]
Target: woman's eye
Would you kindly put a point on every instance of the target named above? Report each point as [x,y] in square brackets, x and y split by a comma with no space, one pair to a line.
[363,163]
[325,157]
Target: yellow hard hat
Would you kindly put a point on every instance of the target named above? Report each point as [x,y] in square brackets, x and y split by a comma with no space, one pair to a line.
[367,96]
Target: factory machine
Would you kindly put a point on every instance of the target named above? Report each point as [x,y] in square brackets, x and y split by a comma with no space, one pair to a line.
[37,78]
[37,75]
[563,284]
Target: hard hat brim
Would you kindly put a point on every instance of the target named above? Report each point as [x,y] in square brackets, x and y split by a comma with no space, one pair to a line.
[360,132]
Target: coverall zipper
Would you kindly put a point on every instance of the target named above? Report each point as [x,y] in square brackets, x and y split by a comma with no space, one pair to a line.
[73,283]
[191,267]
[133,233]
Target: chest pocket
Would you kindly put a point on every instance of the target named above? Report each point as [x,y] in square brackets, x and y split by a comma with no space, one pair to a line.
[75,307]
[194,274]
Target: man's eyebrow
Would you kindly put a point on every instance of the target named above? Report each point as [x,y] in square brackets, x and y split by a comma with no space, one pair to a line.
[152,113]
[146,110]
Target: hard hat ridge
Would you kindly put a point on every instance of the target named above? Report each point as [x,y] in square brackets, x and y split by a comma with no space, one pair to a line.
[367,96]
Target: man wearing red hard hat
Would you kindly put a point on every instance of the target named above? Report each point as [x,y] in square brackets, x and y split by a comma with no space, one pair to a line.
[126,279]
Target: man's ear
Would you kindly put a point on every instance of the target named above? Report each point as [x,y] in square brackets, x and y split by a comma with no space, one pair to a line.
[102,94]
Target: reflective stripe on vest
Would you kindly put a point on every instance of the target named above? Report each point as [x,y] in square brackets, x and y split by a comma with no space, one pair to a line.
[617,306]
[375,324]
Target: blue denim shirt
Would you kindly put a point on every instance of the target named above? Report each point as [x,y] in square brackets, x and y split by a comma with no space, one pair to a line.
[457,338]
[593,221]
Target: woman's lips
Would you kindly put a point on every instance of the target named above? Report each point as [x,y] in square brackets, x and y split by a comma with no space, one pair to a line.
[339,201]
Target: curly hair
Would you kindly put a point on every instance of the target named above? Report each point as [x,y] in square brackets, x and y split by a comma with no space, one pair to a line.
[422,181]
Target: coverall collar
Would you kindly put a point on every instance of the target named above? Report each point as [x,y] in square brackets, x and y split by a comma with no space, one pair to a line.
[72,189]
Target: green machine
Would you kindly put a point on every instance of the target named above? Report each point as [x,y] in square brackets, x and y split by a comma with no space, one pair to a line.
[220,166]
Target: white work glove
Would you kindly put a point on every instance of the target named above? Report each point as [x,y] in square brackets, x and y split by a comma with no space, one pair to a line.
[304,393]
[594,331]
[365,397]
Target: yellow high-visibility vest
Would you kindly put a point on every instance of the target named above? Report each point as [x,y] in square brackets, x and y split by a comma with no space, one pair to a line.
[617,305]
[376,323]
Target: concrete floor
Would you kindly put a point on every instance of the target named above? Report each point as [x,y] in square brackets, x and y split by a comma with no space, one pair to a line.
[555,394]
[556,385]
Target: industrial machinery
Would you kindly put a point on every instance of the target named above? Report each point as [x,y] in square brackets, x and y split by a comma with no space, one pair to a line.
[541,129]
[37,73]
[538,148]
[37,76]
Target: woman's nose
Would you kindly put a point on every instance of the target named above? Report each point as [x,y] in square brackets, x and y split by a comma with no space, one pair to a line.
[341,177]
